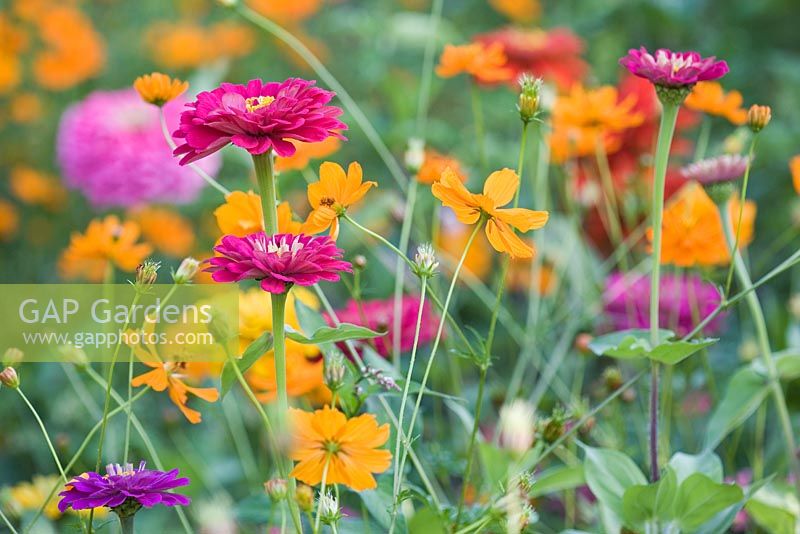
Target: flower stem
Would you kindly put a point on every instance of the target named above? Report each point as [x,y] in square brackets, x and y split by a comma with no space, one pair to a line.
[279,335]
[44,432]
[379,238]
[477,116]
[702,139]
[472,441]
[405,235]
[665,131]
[126,524]
[269,195]
[742,199]
[8,523]
[322,484]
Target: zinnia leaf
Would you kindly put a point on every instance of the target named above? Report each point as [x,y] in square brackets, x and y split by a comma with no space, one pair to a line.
[327,334]
[251,354]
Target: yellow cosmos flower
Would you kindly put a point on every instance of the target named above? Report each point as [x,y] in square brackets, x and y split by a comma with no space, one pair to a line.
[498,190]
[332,195]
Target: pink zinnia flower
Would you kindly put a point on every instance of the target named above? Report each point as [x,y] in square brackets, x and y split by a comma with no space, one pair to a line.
[673,69]
[379,315]
[685,301]
[725,168]
[257,117]
[277,261]
[111,148]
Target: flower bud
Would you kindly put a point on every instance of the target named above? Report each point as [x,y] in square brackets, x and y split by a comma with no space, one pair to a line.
[9,378]
[186,271]
[720,192]
[360,262]
[613,378]
[12,356]
[329,512]
[304,495]
[335,371]
[73,355]
[276,489]
[758,117]
[554,426]
[529,99]
[516,426]
[146,274]
[582,341]
[425,263]
[415,155]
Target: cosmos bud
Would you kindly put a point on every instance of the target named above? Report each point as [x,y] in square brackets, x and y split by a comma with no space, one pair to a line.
[529,97]
[186,271]
[415,155]
[146,274]
[276,489]
[12,356]
[304,495]
[9,378]
[758,117]
[516,426]
[329,512]
[335,371]
[425,263]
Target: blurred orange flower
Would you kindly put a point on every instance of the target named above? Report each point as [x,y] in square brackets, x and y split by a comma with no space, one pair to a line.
[794,167]
[9,220]
[25,107]
[434,165]
[524,11]
[498,190]
[105,242]
[332,195]
[693,233]
[158,89]
[186,45]
[306,152]
[585,117]
[452,240]
[231,39]
[241,215]
[13,40]
[286,12]
[520,276]
[346,449]
[709,97]
[37,188]
[168,231]
[486,63]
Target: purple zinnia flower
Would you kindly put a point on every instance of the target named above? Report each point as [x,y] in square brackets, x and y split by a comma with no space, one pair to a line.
[110,147]
[257,117]
[724,168]
[277,261]
[684,302]
[379,315]
[673,69]
[123,489]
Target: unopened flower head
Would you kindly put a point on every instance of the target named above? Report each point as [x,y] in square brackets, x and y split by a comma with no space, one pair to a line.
[12,356]
[758,117]
[554,426]
[276,489]
[304,495]
[529,97]
[516,426]
[9,378]
[72,354]
[425,261]
[186,271]
[725,168]
[329,512]
[146,274]
[335,371]
[415,154]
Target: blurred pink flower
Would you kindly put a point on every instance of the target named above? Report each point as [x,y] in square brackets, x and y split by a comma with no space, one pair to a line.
[725,168]
[110,147]
[673,69]
[257,117]
[278,261]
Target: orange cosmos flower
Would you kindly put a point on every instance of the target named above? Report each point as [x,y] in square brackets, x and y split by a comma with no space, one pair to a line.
[169,375]
[25,108]
[519,277]
[241,215]
[486,63]
[158,89]
[348,447]
[524,11]
[286,12]
[434,165]
[9,220]
[693,232]
[498,190]
[709,97]
[332,195]
[36,188]
[106,241]
[794,167]
[452,240]
[585,117]
[169,232]
[306,152]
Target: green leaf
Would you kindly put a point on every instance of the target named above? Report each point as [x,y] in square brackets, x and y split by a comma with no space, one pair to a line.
[557,479]
[251,354]
[609,473]
[700,499]
[427,521]
[786,362]
[744,394]
[635,344]
[639,505]
[496,462]
[776,509]
[666,494]
[706,462]
[329,334]
[672,352]
[722,521]
[379,502]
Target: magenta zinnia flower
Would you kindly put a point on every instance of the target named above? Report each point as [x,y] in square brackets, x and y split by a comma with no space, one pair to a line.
[684,302]
[110,147]
[123,489]
[277,261]
[379,315]
[257,117]
[725,168]
[673,69]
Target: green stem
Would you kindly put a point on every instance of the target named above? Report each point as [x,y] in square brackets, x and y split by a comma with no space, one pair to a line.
[473,438]
[477,116]
[405,235]
[278,301]
[45,434]
[758,458]
[126,524]
[322,490]
[702,139]
[742,199]
[757,314]
[610,201]
[7,522]
[665,132]
[427,69]
[380,238]
[523,144]
[269,195]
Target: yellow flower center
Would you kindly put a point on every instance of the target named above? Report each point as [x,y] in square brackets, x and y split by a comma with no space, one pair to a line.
[331,447]
[255,103]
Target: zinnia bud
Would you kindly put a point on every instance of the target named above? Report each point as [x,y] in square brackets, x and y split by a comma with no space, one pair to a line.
[758,117]
[146,274]
[425,261]
[304,495]
[335,371]
[529,99]
[9,378]
[276,489]
[516,426]
[12,355]
[186,271]
[329,512]
[360,262]
[415,155]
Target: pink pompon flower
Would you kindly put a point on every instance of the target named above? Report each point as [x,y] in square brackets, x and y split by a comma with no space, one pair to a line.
[673,69]
[725,168]
[277,261]
[257,117]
